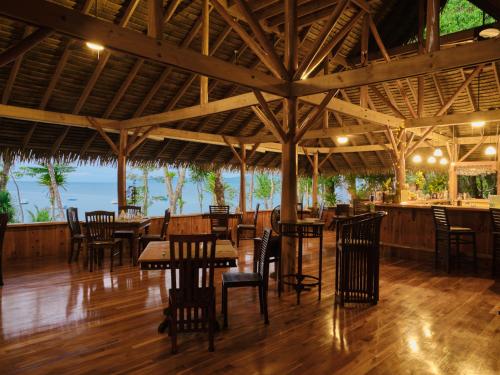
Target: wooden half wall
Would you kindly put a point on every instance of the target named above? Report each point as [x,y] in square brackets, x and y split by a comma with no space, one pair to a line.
[40,240]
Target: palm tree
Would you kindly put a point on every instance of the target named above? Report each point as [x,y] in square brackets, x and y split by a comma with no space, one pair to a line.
[174,193]
[199,177]
[53,176]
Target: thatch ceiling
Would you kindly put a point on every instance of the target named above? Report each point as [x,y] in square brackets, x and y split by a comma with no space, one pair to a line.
[69,66]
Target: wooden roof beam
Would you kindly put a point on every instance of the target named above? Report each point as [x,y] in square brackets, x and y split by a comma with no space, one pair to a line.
[24,45]
[74,24]
[466,55]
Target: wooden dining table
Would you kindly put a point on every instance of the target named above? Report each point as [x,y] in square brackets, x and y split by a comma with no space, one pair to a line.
[156,256]
[136,225]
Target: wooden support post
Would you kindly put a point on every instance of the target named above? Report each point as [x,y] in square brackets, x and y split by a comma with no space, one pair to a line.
[315,177]
[432,38]
[421,49]
[289,147]
[400,169]
[122,169]
[453,149]
[205,49]
[243,172]
[498,165]
[155,15]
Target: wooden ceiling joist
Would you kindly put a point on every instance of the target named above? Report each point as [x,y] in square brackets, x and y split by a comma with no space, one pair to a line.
[25,45]
[73,23]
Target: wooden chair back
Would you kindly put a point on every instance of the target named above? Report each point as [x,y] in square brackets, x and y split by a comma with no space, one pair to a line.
[100,225]
[164,224]
[73,222]
[192,264]
[275,219]
[130,210]
[440,215]
[219,216]
[256,214]
[342,209]
[263,256]
[495,219]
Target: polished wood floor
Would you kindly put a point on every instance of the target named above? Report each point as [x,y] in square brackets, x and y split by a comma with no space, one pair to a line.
[60,319]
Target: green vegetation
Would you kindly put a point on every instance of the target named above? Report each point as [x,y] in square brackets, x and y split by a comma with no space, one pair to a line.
[327,187]
[265,187]
[480,186]
[52,176]
[6,206]
[40,215]
[460,15]
[199,177]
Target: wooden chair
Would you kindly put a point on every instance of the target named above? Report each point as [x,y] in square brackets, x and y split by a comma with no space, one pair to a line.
[451,236]
[342,211]
[274,247]
[495,231]
[259,279]
[248,227]
[360,206]
[100,236]
[219,222]
[4,218]
[128,235]
[162,236]
[192,296]
[357,259]
[75,230]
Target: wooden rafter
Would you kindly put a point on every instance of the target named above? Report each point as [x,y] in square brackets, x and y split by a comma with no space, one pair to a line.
[74,24]
[25,45]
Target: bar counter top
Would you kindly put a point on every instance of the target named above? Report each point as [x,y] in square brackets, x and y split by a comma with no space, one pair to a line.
[428,206]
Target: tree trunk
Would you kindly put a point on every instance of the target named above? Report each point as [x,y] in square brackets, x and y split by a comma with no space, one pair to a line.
[250,190]
[4,174]
[219,189]
[56,196]
[271,195]
[199,187]
[21,210]
[174,193]
[145,197]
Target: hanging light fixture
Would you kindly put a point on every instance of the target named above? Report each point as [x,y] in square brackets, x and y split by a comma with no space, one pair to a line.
[95,46]
[438,152]
[443,161]
[431,160]
[478,124]
[490,150]
[489,32]
[416,159]
[342,140]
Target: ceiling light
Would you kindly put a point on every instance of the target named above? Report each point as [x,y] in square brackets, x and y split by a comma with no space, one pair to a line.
[95,46]
[443,161]
[342,140]
[478,124]
[490,32]
[431,160]
[490,150]
[417,159]
[438,152]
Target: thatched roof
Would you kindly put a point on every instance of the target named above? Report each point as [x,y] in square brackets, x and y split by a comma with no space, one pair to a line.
[70,66]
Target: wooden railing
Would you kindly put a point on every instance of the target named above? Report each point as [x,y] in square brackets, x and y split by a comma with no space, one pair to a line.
[51,239]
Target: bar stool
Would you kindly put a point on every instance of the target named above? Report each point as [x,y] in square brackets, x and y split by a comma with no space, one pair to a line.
[451,236]
[495,231]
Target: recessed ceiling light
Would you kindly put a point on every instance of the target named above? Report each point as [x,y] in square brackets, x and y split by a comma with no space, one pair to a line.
[95,46]
[490,150]
[489,33]
[417,159]
[342,140]
[478,124]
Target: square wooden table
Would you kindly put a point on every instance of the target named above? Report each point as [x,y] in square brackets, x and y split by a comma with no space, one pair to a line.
[156,255]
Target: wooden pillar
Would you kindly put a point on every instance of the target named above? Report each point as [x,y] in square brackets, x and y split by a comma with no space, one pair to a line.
[325,113]
[498,165]
[401,169]
[289,147]
[421,50]
[453,149]
[243,172]
[155,13]
[315,177]
[432,38]
[205,38]
[122,168]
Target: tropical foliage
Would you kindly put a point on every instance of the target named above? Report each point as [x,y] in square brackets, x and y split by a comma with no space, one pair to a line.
[6,206]
[480,186]
[460,15]
[198,176]
[40,215]
[266,185]
[327,186]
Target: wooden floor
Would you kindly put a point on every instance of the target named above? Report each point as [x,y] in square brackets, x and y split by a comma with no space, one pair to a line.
[61,319]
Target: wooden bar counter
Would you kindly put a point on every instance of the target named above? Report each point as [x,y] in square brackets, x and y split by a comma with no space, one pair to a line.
[408,229]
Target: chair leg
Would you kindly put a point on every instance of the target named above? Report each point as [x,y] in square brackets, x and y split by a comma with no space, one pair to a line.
[279,277]
[224,304]
[79,247]
[261,299]
[474,251]
[173,328]
[211,328]
[90,257]
[111,257]
[71,247]
[264,300]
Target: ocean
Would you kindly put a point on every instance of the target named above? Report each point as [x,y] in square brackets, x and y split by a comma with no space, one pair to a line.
[89,196]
